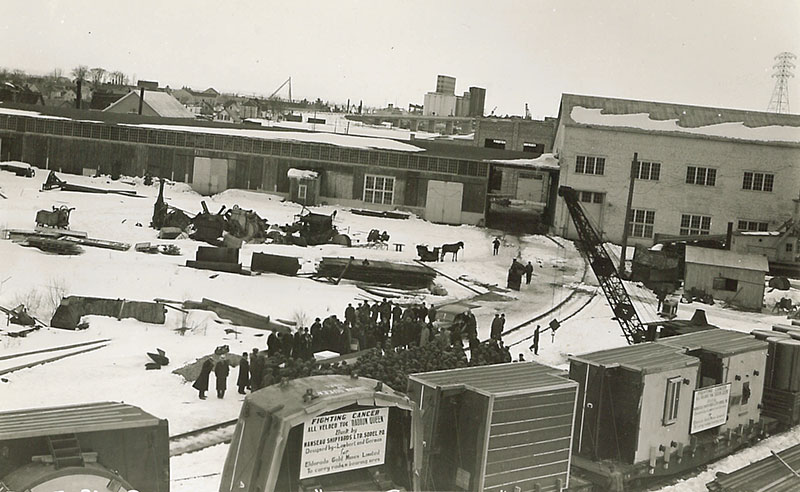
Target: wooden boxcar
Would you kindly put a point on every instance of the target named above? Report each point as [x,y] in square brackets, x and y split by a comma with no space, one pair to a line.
[97,446]
[502,427]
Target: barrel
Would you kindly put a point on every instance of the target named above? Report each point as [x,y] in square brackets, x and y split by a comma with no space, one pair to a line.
[786,360]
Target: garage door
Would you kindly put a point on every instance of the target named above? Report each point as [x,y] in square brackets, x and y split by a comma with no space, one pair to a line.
[443,202]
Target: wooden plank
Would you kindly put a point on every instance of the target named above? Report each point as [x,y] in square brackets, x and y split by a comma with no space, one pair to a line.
[530,425]
[530,473]
[45,361]
[547,434]
[54,349]
[525,462]
[536,399]
[502,454]
[533,412]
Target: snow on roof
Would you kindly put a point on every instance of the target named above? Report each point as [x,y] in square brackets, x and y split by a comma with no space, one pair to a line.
[702,121]
[544,161]
[642,121]
[301,174]
[322,138]
[724,258]
[35,114]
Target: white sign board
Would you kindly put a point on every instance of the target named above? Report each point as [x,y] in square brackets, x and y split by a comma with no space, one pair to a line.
[344,441]
[710,407]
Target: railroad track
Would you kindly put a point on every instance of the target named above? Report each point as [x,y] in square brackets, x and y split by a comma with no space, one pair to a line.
[204,437]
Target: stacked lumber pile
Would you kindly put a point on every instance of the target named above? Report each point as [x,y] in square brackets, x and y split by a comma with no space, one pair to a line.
[377,272]
[218,259]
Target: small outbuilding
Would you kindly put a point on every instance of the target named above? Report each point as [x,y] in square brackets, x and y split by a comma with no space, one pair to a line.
[501,427]
[303,186]
[732,277]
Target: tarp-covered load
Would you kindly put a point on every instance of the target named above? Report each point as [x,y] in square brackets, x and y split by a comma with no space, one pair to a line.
[379,272]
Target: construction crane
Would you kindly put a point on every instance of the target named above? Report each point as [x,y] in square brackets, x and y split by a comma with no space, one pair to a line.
[287,81]
[604,269]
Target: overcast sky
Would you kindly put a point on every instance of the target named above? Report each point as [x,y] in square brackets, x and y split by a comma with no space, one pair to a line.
[709,52]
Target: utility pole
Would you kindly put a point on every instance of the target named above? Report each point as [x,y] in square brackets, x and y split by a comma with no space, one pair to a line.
[626,227]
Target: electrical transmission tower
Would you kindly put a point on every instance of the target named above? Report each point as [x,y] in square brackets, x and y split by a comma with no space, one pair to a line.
[779,102]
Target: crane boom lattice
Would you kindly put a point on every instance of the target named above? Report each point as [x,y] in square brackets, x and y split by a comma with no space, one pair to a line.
[604,269]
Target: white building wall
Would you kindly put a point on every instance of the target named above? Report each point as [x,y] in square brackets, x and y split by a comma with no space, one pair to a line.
[671,196]
[436,104]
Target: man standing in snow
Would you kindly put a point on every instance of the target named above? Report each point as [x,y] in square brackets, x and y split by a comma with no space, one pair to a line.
[244,374]
[201,383]
[528,273]
[535,346]
[497,329]
[221,371]
[256,370]
[350,316]
[496,245]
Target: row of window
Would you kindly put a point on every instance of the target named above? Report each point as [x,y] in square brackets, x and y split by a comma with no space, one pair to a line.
[703,176]
[641,224]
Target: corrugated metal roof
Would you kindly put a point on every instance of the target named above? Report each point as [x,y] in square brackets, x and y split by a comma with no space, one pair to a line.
[498,379]
[767,474]
[719,341]
[645,357]
[91,417]
[688,116]
[724,258]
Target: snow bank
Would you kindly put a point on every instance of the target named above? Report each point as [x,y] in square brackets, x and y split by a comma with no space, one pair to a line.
[301,174]
[544,161]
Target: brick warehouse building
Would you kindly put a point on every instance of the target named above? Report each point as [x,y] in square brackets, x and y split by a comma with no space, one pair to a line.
[354,171]
[700,167]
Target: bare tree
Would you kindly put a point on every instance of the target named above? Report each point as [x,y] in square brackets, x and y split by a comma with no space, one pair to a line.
[80,72]
[97,75]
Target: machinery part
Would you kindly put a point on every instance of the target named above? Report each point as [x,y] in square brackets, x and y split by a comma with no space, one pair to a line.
[604,269]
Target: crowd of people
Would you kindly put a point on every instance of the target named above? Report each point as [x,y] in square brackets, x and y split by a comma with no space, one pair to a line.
[404,340]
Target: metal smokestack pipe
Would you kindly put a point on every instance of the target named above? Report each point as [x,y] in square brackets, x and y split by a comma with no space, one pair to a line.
[78,94]
[141,100]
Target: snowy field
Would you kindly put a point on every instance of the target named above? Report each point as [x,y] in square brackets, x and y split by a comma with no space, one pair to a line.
[561,289]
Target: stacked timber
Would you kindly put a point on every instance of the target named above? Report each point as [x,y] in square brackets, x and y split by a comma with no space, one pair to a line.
[775,473]
[284,265]
[217,259]
[378,272]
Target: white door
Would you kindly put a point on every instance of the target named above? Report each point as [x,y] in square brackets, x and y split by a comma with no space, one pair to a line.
[530,188]
[210,176]
[443,202]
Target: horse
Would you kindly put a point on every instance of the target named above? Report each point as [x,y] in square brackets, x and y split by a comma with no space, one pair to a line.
[452,248]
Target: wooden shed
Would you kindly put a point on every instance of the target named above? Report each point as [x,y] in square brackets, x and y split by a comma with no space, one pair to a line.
[321,433]
[498,428]
[733,277]
[303,186]
[93,446]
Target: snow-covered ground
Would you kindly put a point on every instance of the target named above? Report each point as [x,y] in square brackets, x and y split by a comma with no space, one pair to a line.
[561,287]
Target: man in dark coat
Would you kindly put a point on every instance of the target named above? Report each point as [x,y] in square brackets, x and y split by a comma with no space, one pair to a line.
[243,382]
[496,246]
[432,313]
[535,346]
[221,371]
[201,383]
[256,370]
[528,273]
[273,344]
[350,315]
[497,328]
[316,336]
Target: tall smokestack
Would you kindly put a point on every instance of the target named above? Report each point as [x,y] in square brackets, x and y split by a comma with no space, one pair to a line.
[78,94]
[141,99]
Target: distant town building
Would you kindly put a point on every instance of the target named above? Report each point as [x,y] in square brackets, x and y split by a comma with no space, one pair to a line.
[445,102]
[155,104]
[437,104]
[477,100]
[531,136]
